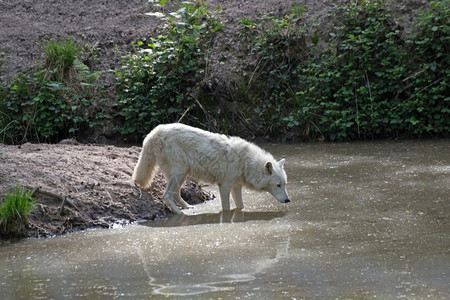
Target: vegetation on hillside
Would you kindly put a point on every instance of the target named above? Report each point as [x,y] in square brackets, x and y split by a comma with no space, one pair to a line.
[58,99]
[366,79]
[157,82]
[371,82]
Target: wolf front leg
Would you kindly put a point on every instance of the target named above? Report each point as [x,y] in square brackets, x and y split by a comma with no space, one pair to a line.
[236,192]
[224,191]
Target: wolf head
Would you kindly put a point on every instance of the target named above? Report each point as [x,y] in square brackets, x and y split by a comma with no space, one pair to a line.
[276,184]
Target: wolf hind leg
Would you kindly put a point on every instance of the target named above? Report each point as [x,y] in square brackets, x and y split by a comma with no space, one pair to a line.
[172,191]
[177,194]
[178,198]
[236,192]
[181,201]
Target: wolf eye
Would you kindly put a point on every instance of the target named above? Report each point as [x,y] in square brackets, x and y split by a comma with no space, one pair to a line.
[278,185]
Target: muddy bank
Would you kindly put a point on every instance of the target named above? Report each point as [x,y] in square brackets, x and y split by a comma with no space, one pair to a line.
[95,180]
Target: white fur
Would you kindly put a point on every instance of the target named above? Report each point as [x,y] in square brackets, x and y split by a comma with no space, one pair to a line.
[230,162]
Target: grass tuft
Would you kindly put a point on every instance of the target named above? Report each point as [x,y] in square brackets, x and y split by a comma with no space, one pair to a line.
[14,209]
[60,56]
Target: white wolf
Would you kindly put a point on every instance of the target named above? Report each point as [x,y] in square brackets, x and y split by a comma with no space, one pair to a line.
[230,162]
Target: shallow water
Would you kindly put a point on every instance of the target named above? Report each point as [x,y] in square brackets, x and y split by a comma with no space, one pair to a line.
[366,220]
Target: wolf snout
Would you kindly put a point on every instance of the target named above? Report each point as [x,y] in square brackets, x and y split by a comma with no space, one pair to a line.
[287,200]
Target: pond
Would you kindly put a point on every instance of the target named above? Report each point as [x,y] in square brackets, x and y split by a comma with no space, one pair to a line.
[365,220]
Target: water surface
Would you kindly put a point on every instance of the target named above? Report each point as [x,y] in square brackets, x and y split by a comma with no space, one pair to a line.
[366,220]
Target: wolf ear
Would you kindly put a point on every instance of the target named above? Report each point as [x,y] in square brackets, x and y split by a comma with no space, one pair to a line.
[281,162]
[268,168]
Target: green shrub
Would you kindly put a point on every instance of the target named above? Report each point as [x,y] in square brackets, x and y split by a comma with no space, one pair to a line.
[14,209]
[429,101]
[265,93]
[359,87]
[155,84]
[56,101]
[355,83]
[280,49]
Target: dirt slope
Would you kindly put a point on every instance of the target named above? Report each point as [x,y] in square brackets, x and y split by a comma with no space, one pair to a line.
[95,179]
[25,25]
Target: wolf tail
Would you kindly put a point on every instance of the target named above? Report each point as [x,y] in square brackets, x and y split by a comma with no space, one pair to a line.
[146,165]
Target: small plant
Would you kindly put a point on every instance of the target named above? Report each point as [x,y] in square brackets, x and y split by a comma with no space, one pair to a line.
[14,209]
[248,23]
[297,9]
[60,57]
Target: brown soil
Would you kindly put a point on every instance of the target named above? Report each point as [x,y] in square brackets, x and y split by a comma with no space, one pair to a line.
[95,179]
[27,25]
[106,25]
